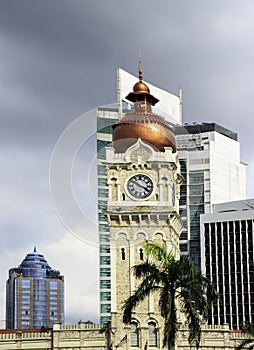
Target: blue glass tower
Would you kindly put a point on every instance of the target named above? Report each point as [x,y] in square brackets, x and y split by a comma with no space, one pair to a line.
[34,294]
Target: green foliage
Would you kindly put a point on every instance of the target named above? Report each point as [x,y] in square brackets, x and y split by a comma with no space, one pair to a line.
[176,280]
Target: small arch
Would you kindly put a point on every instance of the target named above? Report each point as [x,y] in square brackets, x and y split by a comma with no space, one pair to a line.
[157,196]
[159,236]
[122,235]
[123,196]
[141,254]
[140,236]
[122,254]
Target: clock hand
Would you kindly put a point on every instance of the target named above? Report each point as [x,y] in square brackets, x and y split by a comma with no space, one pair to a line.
[139,185]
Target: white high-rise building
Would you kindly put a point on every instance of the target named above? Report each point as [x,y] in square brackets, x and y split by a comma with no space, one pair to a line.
[210,163]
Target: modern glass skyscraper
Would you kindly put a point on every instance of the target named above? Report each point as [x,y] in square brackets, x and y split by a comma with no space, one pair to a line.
[34,294]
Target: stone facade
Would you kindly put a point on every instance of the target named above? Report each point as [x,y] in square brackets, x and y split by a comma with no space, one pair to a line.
[135,221]
[65,337]
[84,336]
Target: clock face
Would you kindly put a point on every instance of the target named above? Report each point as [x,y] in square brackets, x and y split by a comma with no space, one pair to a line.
[140,186]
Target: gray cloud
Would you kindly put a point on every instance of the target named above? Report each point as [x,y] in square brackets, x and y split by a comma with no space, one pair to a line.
[58,61]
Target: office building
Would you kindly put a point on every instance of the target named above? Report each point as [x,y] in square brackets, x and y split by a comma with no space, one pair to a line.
[170,108]
[210,164]
[228,261]
[34,294]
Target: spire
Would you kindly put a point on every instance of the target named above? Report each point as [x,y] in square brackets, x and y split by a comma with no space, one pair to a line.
[140,71]
[35,250]
[141,91]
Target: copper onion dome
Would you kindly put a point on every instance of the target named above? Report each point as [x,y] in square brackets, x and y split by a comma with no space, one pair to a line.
[142,122]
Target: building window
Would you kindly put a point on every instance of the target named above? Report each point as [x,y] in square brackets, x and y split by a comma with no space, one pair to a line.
[105,284]
[104,249]
[105,308]
[25,284]
[105,296]
[53,284]
[184,235]
[103,192]
[141,254]
[123,253]
[104,319]
[134,335]
[104,238]
[105,260]
[152,334]
[184,247]
[103,227]
[25,317]
[102,181]
[101,169]
[105,272]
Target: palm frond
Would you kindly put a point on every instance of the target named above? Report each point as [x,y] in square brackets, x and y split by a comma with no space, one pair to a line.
[145,288]
[145,269]
[159,253]
[244,344]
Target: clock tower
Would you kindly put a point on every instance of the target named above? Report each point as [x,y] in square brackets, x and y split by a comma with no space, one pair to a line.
[143,175]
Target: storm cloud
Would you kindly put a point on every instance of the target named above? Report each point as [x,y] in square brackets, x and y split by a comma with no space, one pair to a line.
[58,61]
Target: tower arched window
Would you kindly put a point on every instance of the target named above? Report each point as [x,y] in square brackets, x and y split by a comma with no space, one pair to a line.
[123,253]
[141,254]
[134,335]
[152,335]
[114,194]
[123,196]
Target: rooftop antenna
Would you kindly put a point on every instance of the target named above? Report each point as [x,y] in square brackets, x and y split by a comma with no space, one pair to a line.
[140,71]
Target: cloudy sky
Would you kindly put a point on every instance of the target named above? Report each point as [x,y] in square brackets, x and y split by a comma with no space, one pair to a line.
[58,62]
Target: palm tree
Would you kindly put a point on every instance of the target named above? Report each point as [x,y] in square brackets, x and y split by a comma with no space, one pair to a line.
[249,342]
[176,282]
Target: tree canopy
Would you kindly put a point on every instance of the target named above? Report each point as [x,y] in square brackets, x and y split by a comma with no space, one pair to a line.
[177,284]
